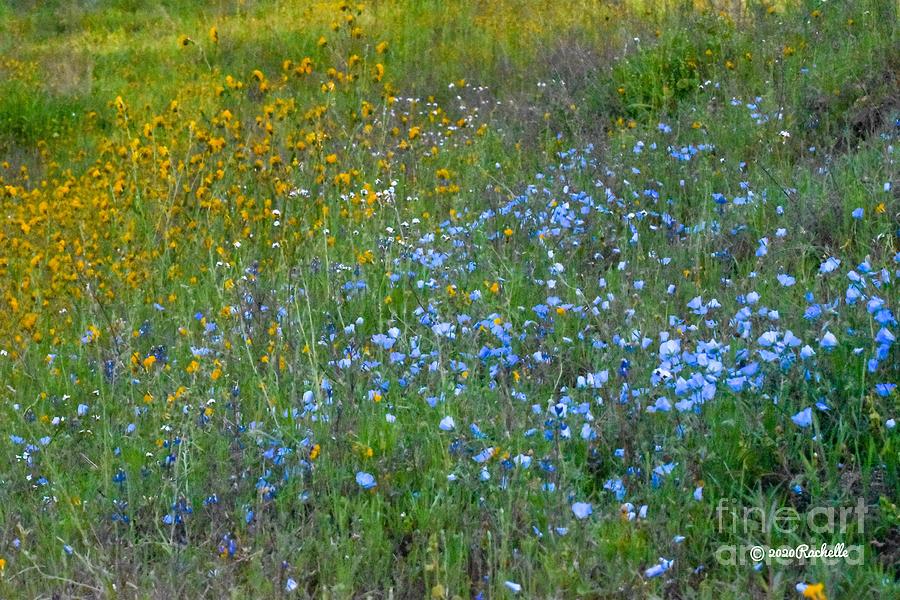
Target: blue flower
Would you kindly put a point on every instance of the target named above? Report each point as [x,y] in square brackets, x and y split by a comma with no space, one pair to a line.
[884,337]
[828,341]
[884,389]
[582,510]
[484,456]
[444,330]
[365,480]
[803,418]
[829,265]
[513,586]
[658,569]
[786,280]
[384,341]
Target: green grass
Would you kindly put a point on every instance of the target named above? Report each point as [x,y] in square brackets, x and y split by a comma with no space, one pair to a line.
[789,113]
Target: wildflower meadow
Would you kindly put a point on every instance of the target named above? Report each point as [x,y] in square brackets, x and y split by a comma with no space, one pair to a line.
[449,299]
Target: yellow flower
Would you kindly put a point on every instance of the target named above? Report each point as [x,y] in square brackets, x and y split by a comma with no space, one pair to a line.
[149,362]
[29,320]
[815,591]
[184,41]
[214,35]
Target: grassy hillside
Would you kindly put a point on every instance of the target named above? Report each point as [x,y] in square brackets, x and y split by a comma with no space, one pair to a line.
[448,299]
